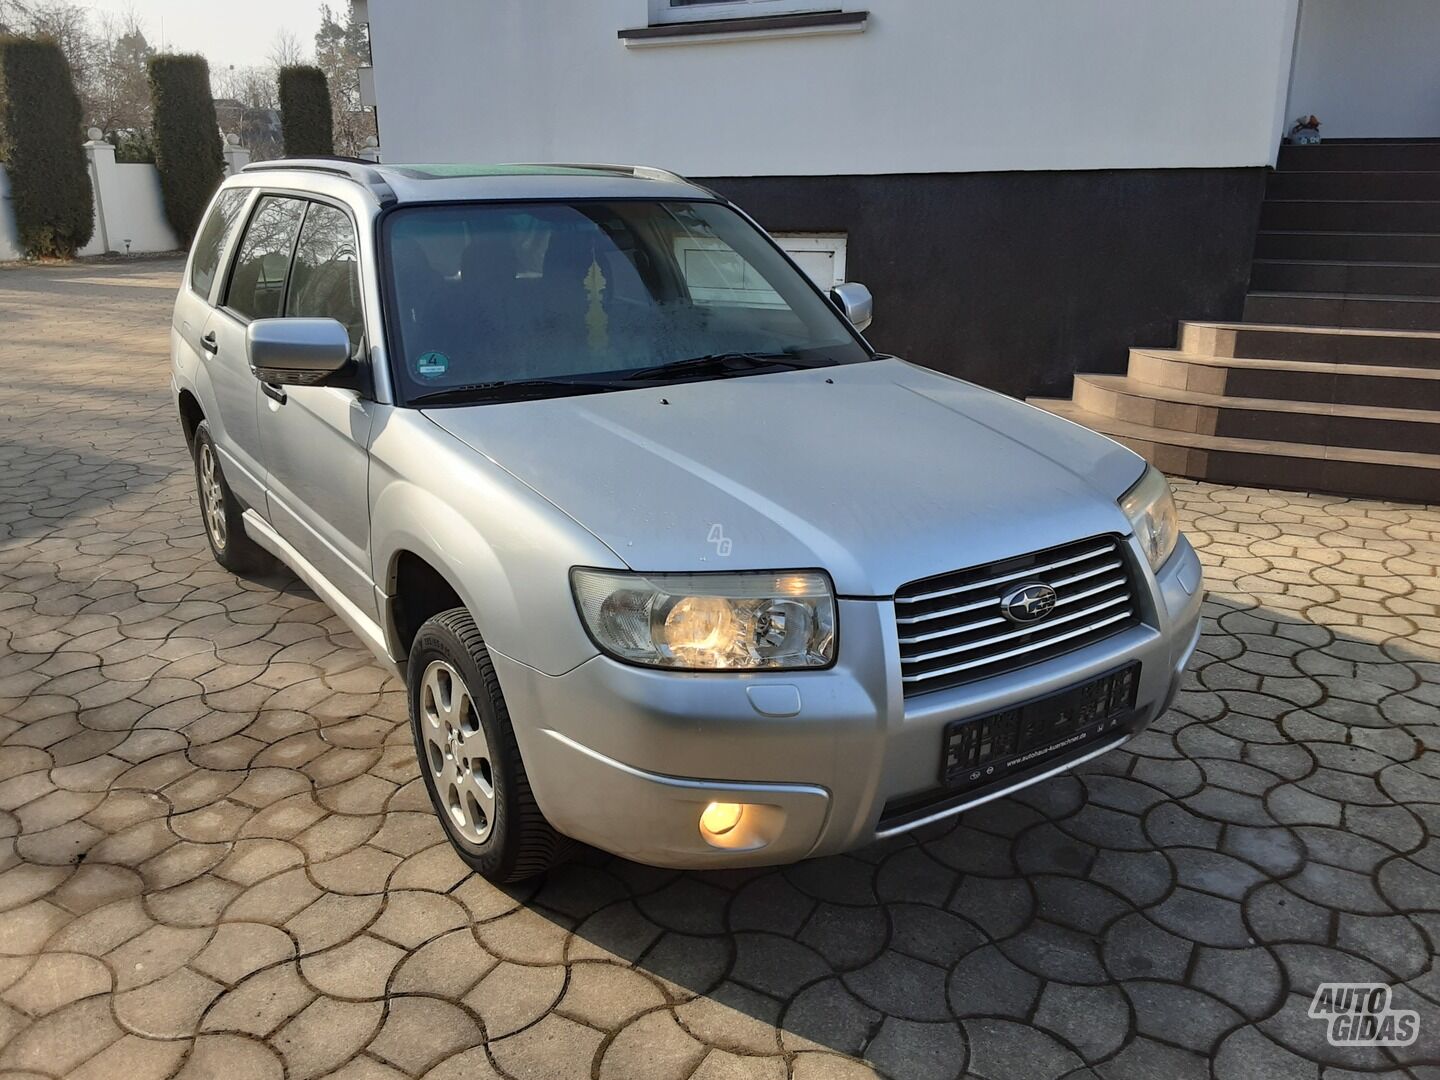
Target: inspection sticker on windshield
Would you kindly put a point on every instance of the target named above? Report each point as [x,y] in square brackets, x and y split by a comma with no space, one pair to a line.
[433,364]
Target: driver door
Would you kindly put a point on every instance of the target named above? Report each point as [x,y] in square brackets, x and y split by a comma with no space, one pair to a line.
[316,439]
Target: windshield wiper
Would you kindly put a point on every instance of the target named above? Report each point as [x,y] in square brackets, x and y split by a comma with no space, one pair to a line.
[722,362]
[711,363]
[519,388]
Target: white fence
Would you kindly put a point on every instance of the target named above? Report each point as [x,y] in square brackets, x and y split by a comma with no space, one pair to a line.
[129,210]
[9,239]
[129,213]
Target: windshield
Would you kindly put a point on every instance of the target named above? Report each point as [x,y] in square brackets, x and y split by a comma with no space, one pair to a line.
[568,297]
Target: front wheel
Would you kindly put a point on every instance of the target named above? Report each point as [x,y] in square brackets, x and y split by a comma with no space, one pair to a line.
[468,756]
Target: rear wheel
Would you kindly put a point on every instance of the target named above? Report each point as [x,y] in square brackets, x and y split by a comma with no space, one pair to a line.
[468,756]
[224,529]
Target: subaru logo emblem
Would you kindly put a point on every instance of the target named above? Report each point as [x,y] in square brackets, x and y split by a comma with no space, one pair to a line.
[1028,603]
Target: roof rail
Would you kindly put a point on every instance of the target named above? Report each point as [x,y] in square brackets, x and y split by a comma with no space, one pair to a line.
[356,169]
[640,172]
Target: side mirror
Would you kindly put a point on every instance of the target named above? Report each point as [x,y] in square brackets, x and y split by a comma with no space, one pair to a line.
[856,302]
[296,352]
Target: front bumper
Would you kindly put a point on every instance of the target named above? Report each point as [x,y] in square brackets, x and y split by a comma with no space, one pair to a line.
[626,758]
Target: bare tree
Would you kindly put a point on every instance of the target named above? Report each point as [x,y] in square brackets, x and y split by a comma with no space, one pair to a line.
[69,25]
[13,17]
[253,87]
[118,98]
[285,50]
[342,48]
[247,103]
[108,57]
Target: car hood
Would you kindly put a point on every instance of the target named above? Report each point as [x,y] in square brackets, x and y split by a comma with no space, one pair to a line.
[879,472]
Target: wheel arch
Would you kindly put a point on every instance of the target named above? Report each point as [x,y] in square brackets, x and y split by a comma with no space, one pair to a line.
[417,591]
[512,575]
[191,414]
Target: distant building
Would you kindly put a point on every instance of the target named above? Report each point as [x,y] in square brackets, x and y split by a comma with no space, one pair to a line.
[228,112]
[259,129]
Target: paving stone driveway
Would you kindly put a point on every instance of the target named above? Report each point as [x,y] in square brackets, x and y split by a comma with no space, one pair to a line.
[218,859]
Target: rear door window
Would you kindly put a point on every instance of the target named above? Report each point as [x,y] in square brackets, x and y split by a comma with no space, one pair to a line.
[257,286]
[214,234]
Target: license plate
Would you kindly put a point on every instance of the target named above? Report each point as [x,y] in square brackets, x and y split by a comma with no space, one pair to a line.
[990,749]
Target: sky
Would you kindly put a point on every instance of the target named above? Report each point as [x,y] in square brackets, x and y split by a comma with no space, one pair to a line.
[212,28]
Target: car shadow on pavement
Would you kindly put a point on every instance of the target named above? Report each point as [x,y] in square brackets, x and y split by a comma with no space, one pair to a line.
[1175,902]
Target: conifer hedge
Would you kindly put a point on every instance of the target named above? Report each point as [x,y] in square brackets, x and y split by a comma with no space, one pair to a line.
[187,140]
[40,144]
[305,112]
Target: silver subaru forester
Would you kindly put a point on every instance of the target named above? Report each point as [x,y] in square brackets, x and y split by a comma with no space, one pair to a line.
[672,562]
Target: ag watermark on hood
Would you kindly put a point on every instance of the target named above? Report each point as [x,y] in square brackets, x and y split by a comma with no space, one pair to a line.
[1359,1014]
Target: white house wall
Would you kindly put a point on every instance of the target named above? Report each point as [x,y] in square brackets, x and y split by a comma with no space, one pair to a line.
[1369,69]
[929,86]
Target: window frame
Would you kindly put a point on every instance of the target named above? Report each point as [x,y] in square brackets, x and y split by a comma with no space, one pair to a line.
[320,200]
[666,13]
[364,382]
[836,243]
[227,245]
[309,198]
[263,194]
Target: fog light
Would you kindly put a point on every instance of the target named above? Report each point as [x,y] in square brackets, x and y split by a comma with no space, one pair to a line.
[720,817]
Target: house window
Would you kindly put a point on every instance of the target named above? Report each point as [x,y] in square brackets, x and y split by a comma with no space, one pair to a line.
[672,11]
[716,274]
[820,255]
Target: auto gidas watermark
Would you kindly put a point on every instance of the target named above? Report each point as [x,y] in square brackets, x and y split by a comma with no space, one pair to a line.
[1360,1014]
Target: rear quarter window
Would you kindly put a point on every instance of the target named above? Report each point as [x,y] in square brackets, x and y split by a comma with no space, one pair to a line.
[224,216]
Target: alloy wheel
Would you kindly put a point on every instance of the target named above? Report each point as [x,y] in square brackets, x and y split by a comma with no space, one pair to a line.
[212,495]
[457,752]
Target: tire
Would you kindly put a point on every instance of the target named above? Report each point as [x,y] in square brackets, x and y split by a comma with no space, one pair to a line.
[221,511]
[469,758]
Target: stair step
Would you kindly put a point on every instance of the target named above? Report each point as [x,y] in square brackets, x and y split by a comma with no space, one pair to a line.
[1334,276]
[1351,215]
[1315,422]
[1315,184]
[1345,470]
[1289,380]
[1344,309]
[1330,156]
[1327,344]
[1348,246]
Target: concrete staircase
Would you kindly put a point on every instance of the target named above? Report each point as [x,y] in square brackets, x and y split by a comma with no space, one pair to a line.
[1333,381]
[1350,236]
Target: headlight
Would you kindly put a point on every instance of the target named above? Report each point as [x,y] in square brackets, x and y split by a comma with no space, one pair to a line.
[1151,509]
[761,620]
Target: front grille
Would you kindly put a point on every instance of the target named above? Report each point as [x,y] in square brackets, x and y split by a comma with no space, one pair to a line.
[952,631]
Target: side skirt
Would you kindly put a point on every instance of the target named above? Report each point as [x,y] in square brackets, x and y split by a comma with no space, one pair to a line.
[364,627]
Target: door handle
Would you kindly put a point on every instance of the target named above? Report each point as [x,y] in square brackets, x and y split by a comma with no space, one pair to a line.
[210,344]
[276,393]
